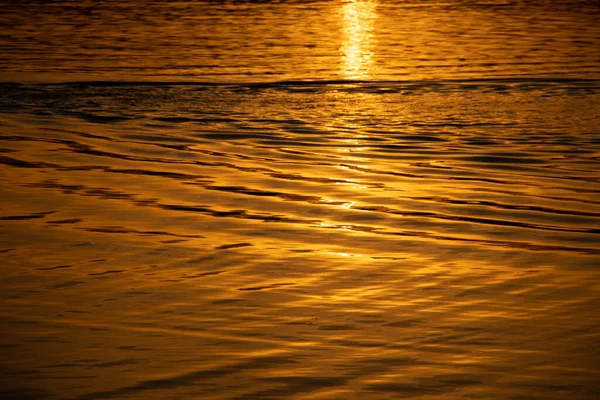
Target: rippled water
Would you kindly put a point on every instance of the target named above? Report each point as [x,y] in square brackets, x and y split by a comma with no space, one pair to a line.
[280,40]
[306,218]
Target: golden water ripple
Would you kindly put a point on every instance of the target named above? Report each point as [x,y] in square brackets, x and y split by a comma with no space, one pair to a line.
[301,240]
[264,41]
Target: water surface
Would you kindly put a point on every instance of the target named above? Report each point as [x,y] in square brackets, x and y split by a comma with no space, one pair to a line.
[309,216]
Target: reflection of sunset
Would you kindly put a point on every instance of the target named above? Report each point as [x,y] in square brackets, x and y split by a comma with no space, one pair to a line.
[303,200]
[357,49]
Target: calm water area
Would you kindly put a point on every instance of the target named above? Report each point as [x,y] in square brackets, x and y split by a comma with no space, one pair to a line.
[300,200]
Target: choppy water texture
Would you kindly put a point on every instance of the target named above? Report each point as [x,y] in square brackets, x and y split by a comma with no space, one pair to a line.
[280,40]
[314,219]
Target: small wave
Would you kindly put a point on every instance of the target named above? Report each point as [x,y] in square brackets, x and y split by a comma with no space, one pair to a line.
[588,83]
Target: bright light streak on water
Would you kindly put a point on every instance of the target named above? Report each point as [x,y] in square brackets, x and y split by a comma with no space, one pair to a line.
[357,50]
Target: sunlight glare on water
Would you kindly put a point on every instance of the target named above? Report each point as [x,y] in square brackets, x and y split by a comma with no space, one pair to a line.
[357,49]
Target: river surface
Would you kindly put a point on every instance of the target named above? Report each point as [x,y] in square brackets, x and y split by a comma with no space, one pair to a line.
[300,200]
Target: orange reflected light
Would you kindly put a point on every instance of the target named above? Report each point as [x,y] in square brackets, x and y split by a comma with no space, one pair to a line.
[357,49]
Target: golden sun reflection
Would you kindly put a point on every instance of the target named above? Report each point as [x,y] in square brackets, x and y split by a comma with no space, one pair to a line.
[357,50]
